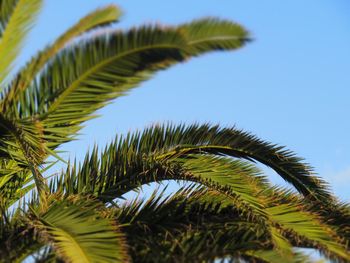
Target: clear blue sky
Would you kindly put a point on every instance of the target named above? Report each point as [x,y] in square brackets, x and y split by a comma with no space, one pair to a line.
[289,86]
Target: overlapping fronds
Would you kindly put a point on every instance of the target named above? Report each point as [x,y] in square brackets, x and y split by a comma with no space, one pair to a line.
[182,228]
[18,240]
[103,68]
[144,158]
[21,148]
[163,143]
[22,139]
[231,211]
[17,18]
[84,77]
[79,232]
[98,18]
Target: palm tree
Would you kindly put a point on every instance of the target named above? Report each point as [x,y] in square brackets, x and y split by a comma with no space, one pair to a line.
[229,211]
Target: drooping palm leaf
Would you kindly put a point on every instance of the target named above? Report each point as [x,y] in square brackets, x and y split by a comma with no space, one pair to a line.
[167,142]
[106,67]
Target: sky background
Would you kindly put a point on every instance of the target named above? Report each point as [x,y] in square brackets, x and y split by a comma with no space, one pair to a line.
[289,86]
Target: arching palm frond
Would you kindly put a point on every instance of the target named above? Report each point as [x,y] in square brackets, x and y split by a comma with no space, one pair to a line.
[164,143]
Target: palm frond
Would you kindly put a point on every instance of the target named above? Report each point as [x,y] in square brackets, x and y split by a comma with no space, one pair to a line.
[79,233]
[209,139]
[164,143]
[112,175]
[99,18]
[19,22]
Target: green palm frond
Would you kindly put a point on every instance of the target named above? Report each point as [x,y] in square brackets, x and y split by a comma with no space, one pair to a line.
[79,232]
[98,18]
[118,172]
[103,68]
[163,143]
[19,21]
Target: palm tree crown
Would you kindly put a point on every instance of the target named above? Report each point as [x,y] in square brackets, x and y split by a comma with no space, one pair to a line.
[229,211]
